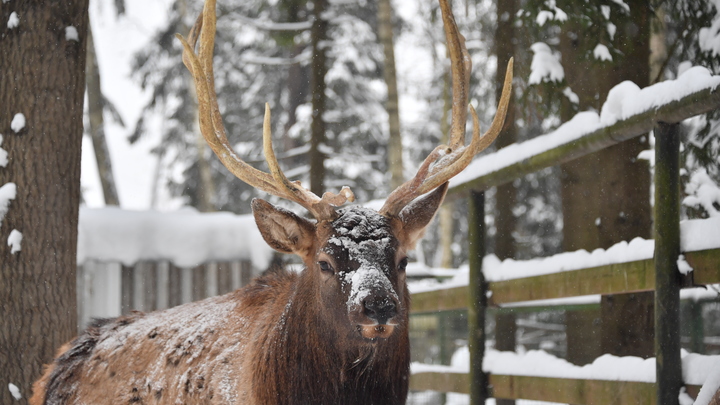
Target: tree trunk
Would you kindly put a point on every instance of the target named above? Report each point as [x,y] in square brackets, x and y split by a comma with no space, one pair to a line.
[506,196]
[44,79]
[96,106]
[395,159]
[318,35]
[606,195]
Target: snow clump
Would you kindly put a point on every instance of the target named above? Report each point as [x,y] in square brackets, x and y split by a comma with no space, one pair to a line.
[601,52]
[545,66]
[18,122]
[702,193]
[683,266]
[71,34]
[8,192]
[14,390]
[3,154]
[15,241]
[13,21]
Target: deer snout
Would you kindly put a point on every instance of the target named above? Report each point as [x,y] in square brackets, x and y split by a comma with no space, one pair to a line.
[379,308]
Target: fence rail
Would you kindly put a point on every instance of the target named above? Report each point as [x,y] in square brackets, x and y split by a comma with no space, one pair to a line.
[618,278]
[560,390]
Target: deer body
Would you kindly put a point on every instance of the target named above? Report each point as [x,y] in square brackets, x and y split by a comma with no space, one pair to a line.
[335,333]
[283,339]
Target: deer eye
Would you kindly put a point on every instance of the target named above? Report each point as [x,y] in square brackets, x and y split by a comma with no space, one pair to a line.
[402,265]
[326,267]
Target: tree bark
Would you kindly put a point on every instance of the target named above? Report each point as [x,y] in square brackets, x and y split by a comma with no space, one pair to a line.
[44,79]
[318,34]
[96,106]
[506,196]
[606,195]
[395,159]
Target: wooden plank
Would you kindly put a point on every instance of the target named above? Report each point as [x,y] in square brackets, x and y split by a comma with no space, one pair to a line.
[667,249]
[127,290]
[573,391]
[639,124]
[477,298]
[174,286]
[224,277]
[563,390]
[611,279]
[706,265]
[441,382]
[440,300]
[199,282]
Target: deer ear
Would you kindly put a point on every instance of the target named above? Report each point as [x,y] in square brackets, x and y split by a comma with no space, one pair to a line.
[416,216]
[283,230]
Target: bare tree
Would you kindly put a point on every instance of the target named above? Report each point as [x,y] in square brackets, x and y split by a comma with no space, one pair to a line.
[96,107]
[385,34]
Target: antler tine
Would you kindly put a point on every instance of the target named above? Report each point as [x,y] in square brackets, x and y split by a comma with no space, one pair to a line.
[460,68]
[213,130]
[446,161]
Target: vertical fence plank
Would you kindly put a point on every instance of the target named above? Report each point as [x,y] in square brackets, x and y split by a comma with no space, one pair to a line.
[163,285]
[224,278]
[199,281]
[187,284]
[149,286]
[667,249]
[245,272]
[478,298]
[235,270]
[174,286]
[211,280]
[127,290]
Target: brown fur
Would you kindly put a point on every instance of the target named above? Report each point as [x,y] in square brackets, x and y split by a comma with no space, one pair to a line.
[287,338]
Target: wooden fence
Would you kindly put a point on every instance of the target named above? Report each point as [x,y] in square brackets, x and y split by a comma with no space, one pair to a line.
[659,274]
[112,289]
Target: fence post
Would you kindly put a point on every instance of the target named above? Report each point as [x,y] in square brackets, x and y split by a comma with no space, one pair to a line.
[477,293]
[667,248]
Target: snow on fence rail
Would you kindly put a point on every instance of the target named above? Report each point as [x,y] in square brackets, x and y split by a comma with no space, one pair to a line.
[647,265]
[622,117]
[146,260]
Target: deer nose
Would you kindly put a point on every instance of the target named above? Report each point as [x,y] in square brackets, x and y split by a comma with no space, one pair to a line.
[380,308]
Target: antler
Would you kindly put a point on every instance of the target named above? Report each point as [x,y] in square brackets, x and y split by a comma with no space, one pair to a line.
[445,161]
[212,128]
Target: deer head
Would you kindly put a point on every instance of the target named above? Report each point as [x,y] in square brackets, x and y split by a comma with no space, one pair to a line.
[355,257]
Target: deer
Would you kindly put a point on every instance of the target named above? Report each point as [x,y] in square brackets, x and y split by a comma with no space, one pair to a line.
[335,332]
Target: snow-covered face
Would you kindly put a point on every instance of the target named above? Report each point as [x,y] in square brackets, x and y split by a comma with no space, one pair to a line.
[362,272]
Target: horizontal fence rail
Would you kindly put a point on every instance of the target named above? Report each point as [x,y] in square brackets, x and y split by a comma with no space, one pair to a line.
[561,390]
[694,104]
[616,278]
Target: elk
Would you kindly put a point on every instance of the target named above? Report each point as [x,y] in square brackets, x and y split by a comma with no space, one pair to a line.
[334,333]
